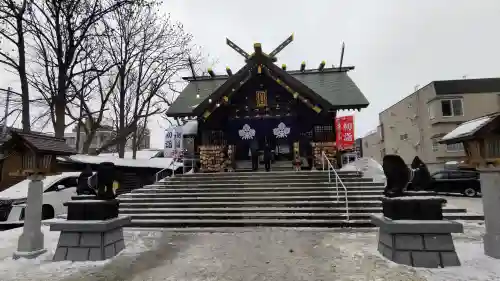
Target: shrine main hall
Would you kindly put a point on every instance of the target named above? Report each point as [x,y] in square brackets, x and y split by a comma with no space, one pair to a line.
[293,111]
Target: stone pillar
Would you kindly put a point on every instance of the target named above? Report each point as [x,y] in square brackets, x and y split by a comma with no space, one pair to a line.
[490,188]
[30,244]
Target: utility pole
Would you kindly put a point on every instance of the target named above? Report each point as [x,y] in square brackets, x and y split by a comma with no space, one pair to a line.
[4,129]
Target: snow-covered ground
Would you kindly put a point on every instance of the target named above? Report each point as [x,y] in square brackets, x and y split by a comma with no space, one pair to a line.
[247,254]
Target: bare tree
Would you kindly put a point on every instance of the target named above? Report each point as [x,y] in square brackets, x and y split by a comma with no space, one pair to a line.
[149,51]
[12,34]
[60,30]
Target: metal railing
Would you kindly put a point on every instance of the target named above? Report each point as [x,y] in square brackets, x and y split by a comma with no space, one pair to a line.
[338,181]
[163,173]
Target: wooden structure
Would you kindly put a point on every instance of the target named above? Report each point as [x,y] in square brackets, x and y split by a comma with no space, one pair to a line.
[265,103]
[481,140]
[28,153]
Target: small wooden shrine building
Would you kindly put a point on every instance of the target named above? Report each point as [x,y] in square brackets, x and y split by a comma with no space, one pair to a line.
[263,102]
[27,153]
[481,141]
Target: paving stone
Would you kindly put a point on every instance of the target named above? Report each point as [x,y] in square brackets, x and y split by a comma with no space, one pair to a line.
[449,259]
[402,257]
[95,254]
[69,239]
[426,259]
[60,253]
[438,242]
[408,242]
[91,239]
[109,251]
[77,254]
[386,238]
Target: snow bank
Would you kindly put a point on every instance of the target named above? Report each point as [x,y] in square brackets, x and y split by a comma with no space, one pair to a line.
[467,128]
[475,265]
[141,154]
[369,167]
[42,268]
[160,163]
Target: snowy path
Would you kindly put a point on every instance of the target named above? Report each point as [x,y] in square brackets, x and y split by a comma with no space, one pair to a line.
[251,254]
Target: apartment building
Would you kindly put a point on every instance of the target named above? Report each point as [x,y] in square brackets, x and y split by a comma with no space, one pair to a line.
[414,125]
[104,134]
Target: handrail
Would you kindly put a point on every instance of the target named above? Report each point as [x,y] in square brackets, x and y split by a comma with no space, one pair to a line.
[158,174]
[337,181]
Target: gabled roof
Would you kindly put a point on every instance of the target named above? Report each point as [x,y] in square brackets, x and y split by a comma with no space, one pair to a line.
[331,85]
[468,130]
[44,143]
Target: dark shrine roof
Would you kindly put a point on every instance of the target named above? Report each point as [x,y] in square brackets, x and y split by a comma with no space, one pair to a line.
[332,84]
[45,143]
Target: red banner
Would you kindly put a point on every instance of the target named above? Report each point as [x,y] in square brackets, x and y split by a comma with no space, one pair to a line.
[344,129]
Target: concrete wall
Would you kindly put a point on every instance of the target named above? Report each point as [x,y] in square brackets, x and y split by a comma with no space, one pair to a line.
[372,146]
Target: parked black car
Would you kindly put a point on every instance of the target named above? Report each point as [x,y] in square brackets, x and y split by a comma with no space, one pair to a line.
[461,181]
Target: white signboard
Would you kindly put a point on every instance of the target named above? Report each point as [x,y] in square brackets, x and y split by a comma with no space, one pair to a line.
[173,142]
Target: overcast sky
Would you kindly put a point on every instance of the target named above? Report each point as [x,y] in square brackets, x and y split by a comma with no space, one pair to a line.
[394,44]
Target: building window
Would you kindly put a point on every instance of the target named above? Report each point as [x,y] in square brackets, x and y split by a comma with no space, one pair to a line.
[403,137]
[456,147]
[451,108]
[435,145]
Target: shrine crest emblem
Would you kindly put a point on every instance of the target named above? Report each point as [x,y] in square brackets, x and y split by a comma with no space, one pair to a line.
[246,133]
[282,131]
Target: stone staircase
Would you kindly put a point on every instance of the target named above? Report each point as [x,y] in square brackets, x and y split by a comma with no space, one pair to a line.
[247,199]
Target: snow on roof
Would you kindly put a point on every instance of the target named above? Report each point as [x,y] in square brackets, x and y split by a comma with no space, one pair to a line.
[160,163]
[20,190]
[141,154]
[468,128]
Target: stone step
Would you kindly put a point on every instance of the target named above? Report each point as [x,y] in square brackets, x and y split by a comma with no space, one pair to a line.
[258,180]
[273,174]
[278,184]
[230,210]
[234,198]
[329,192]
[296,216]
[253,189]
[296,204]
[167,223]
[251,176]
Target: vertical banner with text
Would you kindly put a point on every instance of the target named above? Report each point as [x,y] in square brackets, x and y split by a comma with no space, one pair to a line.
[173,142]
[344,130]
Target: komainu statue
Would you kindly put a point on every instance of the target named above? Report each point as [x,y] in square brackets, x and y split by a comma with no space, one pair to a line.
[399,176]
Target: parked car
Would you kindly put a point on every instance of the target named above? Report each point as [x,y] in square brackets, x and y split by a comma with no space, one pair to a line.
[461,181]
[57,189]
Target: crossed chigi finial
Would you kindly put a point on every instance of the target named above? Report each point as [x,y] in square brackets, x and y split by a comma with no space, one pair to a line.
[258,48]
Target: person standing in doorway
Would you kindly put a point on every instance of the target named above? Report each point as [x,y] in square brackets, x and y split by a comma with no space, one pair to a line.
[254,146]
[267,156]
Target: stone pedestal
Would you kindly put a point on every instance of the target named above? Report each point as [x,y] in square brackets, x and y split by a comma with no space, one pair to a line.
[490,189]
[31,244]
[418,243]
[413,208]
[89,240]
[92,209]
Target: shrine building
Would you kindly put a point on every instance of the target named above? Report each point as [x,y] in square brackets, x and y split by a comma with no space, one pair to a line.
[263,102]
